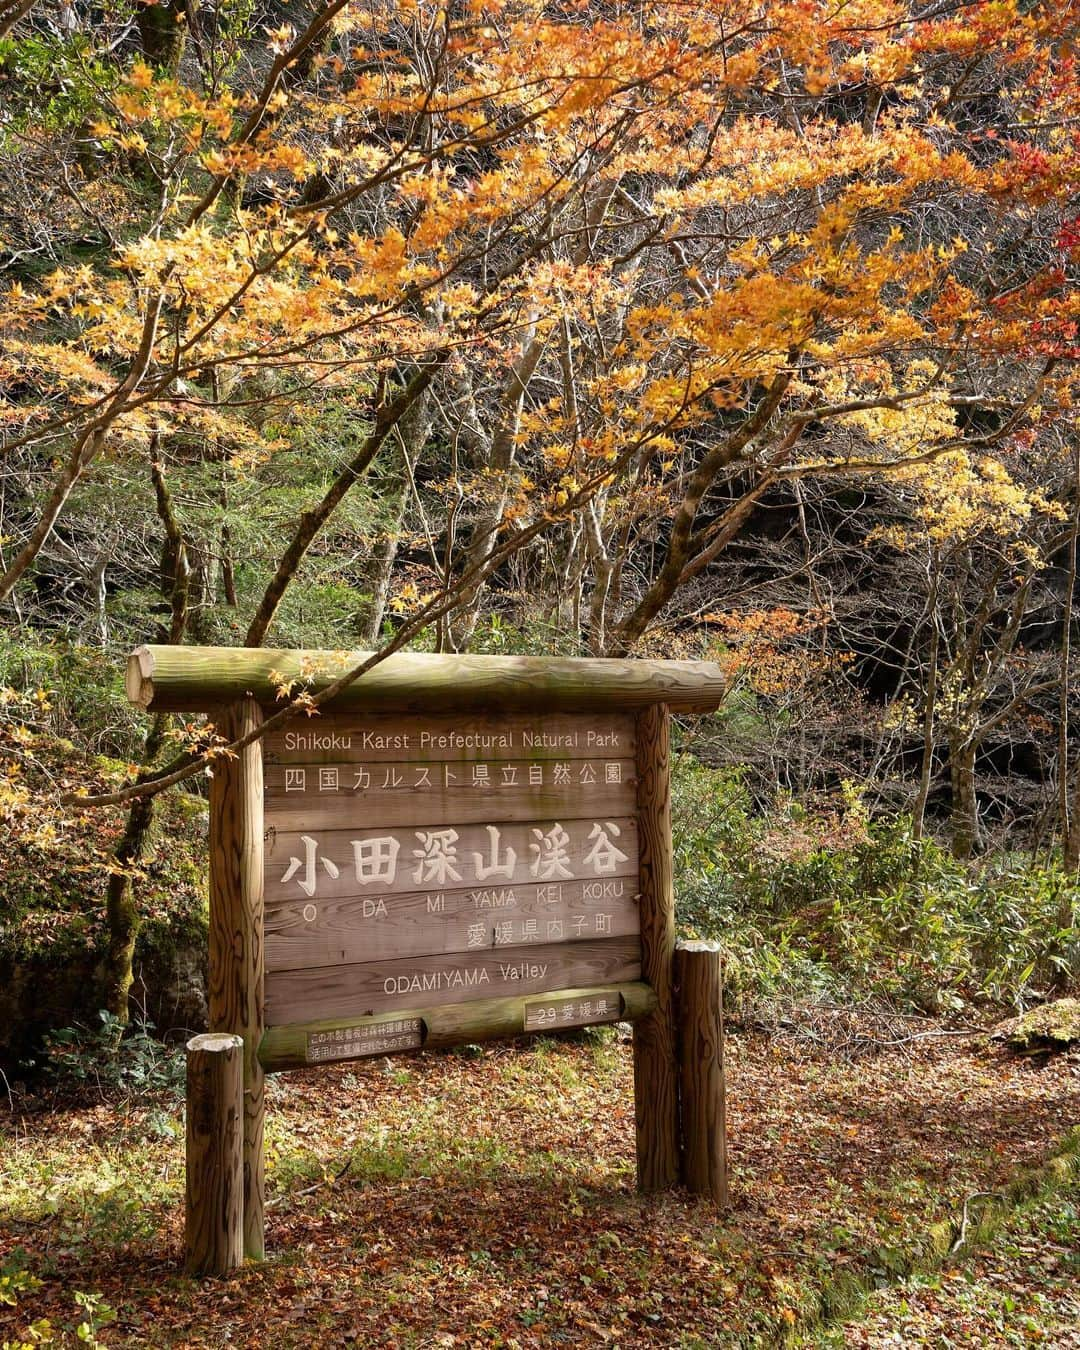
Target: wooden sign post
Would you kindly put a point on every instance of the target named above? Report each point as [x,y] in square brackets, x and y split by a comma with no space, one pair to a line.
[235,992]
[656,1102]
[214,1202]
[701,1069]
[455,848]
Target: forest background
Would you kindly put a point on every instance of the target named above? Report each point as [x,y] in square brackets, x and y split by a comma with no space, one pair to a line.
[673,329]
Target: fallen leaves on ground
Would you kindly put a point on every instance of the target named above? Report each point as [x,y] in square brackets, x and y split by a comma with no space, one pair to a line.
[1023,1290]
[486,1197]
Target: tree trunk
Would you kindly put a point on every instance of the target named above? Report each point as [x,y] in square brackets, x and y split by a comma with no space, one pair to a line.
[499,461]
[966,831]
[122,919]
[1071,848]
[625,636]
[121,909]
[311,522]
[163,29]
[376,590]
[926,772]
[1069,823]
[411,434]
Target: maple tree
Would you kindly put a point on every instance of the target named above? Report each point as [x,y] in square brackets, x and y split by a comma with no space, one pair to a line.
[683,237]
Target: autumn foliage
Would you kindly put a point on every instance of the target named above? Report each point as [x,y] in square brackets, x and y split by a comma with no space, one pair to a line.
[637,246]
[533,312]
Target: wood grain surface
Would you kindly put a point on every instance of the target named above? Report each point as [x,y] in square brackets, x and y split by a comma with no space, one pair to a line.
[701,1069]
[410,872]
[192,679]
[303,933]
[214,1158]
[429,981]
[235,988]
[376,738]
[413,794]
[656,1103]
[288,1047]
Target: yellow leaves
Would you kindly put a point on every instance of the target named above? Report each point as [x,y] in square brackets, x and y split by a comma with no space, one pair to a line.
[14,795]
[384,264]
[459,299]
[627,378]
[284,685]
[280,39]
[274,158]
[409,598]
[958,497]
[132,140]
[921,418]
[141,77]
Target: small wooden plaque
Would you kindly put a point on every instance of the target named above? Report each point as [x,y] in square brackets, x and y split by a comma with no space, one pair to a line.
[574,1010]
[379,1038]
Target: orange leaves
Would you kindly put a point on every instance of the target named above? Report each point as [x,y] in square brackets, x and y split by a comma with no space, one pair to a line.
[141,77]
[250,159]
[767,650]
[674,203]
[977,28]
[53,365]
[383,265]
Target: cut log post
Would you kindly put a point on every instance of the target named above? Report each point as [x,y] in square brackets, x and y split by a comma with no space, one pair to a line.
[656,1103]
[192,679]
[214,1190]
[236,938]
[699,984]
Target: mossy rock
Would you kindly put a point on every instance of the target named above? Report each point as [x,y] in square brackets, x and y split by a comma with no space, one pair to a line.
[39,994]
[1044,1030]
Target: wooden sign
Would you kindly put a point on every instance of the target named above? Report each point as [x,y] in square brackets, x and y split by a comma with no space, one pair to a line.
[414,862]
[456,848]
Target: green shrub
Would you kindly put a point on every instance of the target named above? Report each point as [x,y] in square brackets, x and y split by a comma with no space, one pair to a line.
[821,901]
[127,1060]
[82,694]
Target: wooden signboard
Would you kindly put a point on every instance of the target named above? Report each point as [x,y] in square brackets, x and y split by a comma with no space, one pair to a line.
[455,848]
[412,863]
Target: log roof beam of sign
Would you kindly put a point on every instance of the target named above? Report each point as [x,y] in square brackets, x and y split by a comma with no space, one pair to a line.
[193,679]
